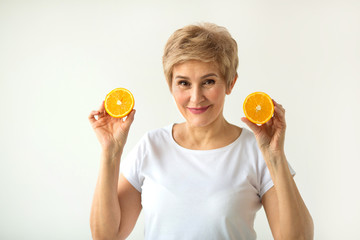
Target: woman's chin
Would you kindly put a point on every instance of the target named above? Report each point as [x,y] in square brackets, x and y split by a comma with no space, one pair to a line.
[199,123]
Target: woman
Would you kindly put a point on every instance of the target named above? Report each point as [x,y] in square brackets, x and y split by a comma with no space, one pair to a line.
[204,178]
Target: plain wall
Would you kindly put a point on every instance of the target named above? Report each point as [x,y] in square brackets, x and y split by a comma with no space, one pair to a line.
[58,60]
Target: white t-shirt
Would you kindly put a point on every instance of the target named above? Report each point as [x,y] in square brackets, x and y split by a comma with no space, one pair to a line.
[198,194]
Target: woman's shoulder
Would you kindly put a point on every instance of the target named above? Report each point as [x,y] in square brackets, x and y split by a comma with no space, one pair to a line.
[153,138]
[242,133]
[249,134]
[161,131]
[248,141]
[246,133]
[246,137]
[158,134]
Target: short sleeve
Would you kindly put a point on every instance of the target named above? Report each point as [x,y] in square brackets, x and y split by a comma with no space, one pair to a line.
[131,166]
[265,178]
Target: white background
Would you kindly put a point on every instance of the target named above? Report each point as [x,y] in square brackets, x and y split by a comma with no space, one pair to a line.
[58,60]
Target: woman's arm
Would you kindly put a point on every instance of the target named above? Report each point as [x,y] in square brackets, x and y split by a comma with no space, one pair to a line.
[286,211]
[116,203]
[107,220]
[105,210]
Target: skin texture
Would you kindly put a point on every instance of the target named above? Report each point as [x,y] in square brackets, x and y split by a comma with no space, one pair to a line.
[199,92]
[199,85]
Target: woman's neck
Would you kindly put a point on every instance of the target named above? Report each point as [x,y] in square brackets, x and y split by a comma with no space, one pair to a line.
[215,135]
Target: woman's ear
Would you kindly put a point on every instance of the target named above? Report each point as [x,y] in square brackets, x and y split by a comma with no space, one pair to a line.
[231,86]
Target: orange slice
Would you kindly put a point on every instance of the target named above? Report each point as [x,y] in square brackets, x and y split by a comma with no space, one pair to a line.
[258,107]
[119,102]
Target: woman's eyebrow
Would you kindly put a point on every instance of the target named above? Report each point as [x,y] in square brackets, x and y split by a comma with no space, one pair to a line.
[209,75]
[182,77]
[205,76]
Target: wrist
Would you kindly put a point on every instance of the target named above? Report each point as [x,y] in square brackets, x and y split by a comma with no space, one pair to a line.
[111,154]
[275,158]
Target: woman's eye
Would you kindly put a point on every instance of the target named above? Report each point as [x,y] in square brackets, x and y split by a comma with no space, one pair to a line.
[209,82]
[183,83]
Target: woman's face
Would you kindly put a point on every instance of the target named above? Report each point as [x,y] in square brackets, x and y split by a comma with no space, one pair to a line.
[199,92]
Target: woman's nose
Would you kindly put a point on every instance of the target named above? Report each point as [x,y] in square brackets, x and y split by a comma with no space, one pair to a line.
[197,95]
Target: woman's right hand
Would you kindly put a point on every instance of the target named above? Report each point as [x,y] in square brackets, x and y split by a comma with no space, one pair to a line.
[111,132]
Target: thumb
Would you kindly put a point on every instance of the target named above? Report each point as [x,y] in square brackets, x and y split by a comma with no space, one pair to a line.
[255,128]
[130,118]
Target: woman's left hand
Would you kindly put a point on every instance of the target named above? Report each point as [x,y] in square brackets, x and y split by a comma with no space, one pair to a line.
[270,136]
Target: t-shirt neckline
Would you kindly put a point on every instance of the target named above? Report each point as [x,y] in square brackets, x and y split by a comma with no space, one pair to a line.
[221,149]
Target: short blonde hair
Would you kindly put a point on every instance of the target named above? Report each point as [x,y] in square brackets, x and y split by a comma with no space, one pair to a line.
[205,42]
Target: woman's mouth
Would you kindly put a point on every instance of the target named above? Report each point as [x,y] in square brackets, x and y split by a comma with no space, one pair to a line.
[198,110]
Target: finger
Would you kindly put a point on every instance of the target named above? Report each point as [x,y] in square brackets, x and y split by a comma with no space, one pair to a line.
[275,102]
[279,116]
[93,113]
[270,122]
[278,109]
[279,112]
[130,118]
[92,116]
[255,128]
[278,105]
[102,107]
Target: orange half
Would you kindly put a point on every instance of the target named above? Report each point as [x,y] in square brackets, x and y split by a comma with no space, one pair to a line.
[258,107]
[119,102]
